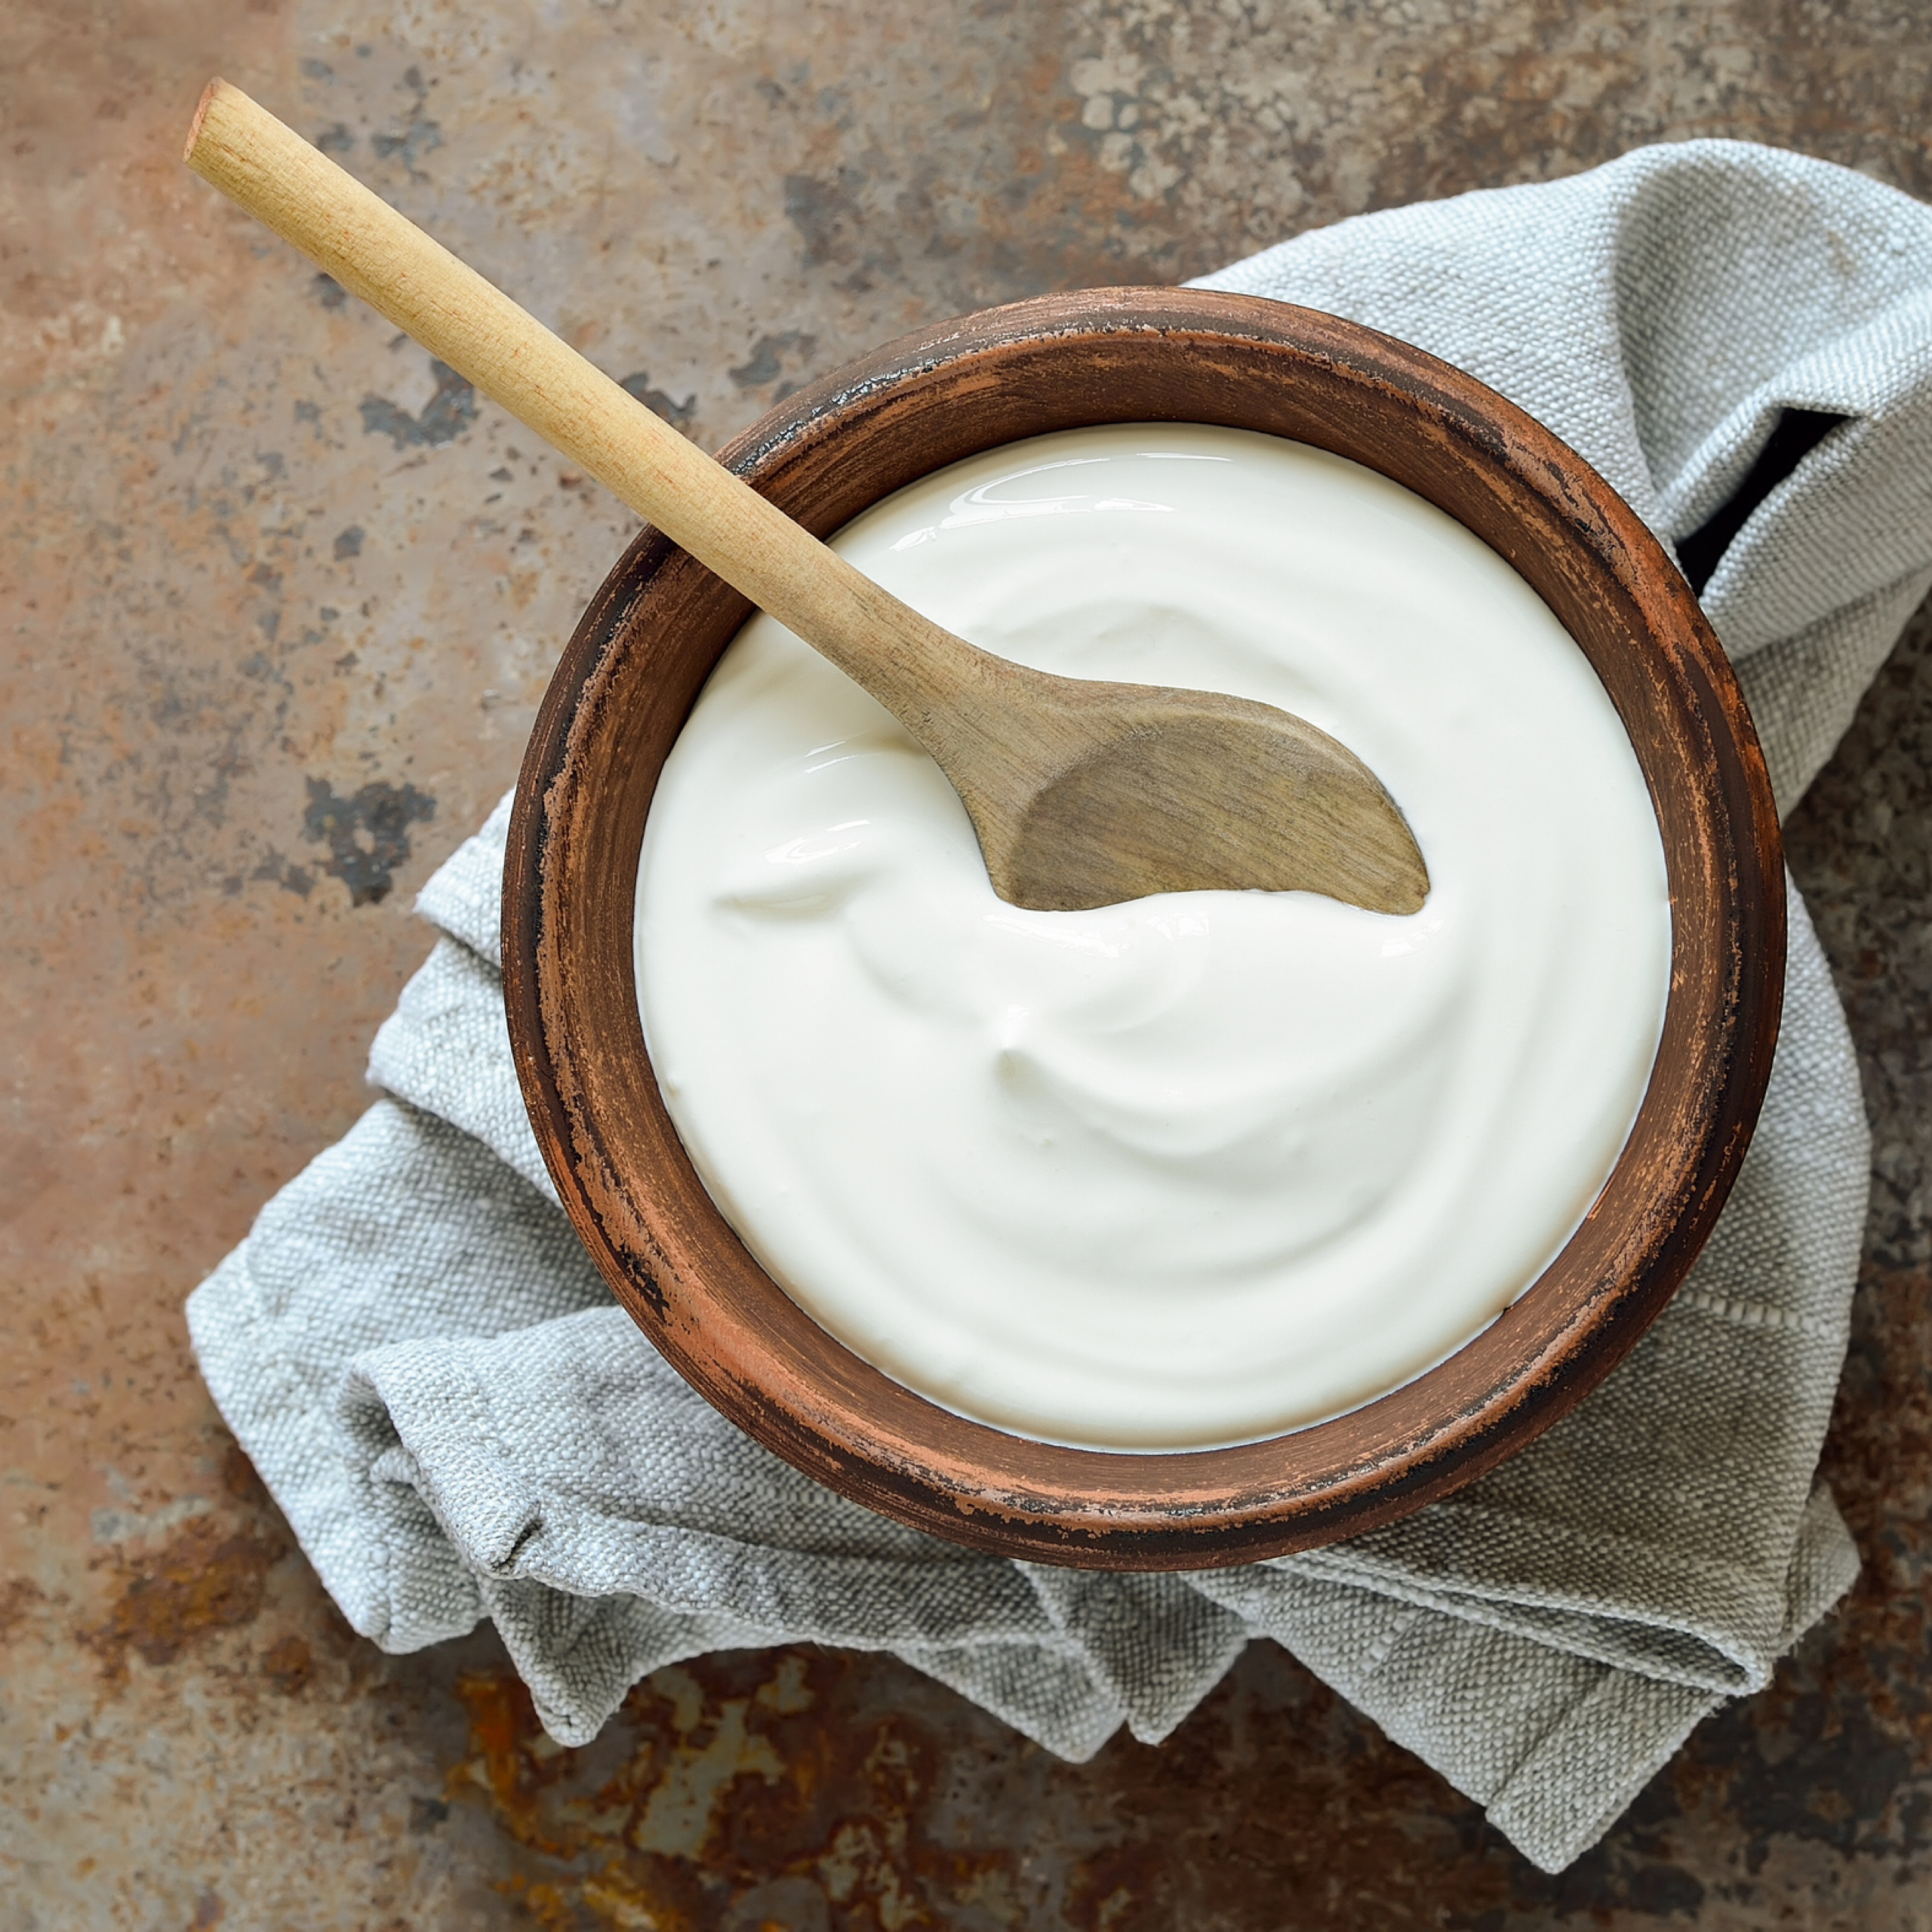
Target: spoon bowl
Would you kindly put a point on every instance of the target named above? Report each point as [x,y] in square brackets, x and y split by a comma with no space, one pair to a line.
[1159,790]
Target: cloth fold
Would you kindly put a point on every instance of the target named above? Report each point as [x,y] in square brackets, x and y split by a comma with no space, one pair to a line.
[432,1377]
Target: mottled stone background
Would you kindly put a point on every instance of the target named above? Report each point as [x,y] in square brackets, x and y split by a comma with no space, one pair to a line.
[279,609]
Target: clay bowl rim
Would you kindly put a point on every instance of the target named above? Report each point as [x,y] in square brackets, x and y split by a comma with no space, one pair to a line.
[628,678]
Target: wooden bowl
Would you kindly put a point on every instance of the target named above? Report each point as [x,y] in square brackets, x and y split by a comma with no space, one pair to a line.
[628,680]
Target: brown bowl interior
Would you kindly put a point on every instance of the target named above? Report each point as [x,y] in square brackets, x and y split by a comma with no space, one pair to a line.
[623,691]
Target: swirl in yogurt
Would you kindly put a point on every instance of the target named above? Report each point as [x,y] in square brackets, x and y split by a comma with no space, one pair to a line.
[1205,1166]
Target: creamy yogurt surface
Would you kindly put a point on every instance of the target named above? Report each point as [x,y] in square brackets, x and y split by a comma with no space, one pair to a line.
[1205,1166]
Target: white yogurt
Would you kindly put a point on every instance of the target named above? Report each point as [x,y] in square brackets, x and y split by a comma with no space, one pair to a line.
[1207,1166]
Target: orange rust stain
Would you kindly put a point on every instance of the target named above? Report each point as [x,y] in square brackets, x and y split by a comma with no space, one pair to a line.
[503,1727]
[202,1582]
[17,1597]
[816,1794]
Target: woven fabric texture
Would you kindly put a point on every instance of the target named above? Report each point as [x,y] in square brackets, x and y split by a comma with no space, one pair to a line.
[433,1378]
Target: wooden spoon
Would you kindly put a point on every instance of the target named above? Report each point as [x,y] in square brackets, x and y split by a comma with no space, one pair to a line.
[1082,793]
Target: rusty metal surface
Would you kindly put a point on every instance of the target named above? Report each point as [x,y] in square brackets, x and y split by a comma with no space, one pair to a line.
[279,606]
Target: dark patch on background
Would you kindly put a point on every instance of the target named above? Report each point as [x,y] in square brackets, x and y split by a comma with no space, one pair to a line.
[414,142]
[276,870]
[329,292]
[657,401]
[419,137]
[794,1902]
[349,542]
[367,834]
[426,1813]
[766,365]
[825,214]
[444,417]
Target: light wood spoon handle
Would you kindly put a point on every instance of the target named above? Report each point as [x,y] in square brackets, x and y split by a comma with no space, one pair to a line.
[385,259]
[1082,793]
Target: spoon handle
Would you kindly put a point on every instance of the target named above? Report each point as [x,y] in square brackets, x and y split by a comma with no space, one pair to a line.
[915,669]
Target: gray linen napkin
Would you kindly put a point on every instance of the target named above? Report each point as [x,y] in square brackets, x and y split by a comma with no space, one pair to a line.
[459,1424]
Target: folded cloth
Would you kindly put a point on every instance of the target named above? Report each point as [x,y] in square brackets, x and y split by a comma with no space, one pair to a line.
[433,1379]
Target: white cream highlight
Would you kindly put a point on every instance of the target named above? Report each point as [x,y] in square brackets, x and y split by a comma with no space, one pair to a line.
[1207,1166]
